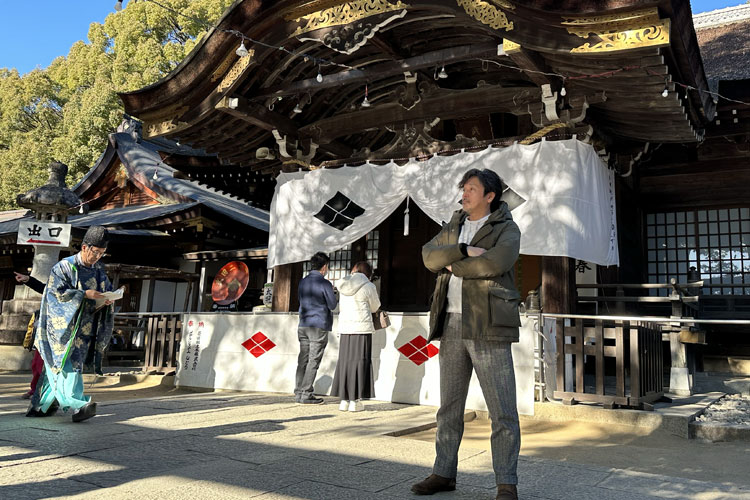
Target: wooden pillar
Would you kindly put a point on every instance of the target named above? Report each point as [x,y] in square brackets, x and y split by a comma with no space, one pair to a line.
[558,285]
[150,301]
[187,295]
[195,302]
[285,283]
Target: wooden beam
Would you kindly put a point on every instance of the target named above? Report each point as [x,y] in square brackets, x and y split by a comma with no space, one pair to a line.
[380,71]
[261,117]
[257,115]
[451,104]
[533,66]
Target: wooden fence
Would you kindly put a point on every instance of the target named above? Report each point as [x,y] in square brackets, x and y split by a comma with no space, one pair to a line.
[150,340]
[628,353]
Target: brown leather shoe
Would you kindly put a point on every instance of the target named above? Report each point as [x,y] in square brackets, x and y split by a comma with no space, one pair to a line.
[506,492]
[434,484]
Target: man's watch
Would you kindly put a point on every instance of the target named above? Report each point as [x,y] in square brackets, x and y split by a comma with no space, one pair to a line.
[464,249]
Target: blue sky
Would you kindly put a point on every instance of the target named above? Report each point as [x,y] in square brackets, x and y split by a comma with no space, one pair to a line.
[34,32]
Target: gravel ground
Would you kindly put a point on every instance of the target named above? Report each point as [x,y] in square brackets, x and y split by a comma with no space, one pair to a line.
[732,409]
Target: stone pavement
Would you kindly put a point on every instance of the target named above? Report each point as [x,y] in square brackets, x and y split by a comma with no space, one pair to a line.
[263,446]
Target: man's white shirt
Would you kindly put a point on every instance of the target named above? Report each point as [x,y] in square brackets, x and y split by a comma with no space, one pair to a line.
[468,230]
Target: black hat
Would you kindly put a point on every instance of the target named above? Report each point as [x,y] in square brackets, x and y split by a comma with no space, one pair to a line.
[96,236]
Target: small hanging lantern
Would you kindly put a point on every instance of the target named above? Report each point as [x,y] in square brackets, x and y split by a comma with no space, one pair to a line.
[365,101]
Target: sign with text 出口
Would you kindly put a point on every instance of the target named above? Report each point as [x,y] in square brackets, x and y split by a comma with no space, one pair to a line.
[35,232]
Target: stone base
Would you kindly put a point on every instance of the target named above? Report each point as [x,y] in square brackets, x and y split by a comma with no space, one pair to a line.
[14,358]
[680,382]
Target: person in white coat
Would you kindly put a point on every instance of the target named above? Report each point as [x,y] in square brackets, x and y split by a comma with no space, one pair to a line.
[358,299]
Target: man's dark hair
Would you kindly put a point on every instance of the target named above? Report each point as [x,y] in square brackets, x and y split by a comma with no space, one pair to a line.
[490,181]
[318,261]
[363,267]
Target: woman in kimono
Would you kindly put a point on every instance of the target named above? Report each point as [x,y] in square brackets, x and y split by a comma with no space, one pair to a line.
[72,330]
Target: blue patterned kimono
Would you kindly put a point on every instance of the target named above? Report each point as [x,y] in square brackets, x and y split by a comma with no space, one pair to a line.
[71,332]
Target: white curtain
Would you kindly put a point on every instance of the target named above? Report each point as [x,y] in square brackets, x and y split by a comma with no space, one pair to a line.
[569,207]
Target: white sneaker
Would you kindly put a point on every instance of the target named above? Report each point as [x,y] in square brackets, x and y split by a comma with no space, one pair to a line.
[356,405]
[344,405]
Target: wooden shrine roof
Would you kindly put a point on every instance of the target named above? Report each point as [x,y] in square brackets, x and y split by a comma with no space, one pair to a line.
[617,56]
[725,43]
[140,162]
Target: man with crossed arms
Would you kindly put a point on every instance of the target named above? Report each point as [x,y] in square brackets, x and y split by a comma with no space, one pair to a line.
[475,316]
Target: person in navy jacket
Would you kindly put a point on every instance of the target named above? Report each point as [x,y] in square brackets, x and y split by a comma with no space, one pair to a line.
[317,301]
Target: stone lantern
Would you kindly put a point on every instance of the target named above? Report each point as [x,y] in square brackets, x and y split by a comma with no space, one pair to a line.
[51,202]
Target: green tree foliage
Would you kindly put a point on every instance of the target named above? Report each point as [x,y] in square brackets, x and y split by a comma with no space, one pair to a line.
[66,111]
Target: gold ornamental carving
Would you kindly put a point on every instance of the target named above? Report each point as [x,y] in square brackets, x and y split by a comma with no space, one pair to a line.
[650,15]
[486,14]
[121,177]
[223,67]
[631,30]
[236,72]
[154,129]
[656,35]
[509,46]
[346,13]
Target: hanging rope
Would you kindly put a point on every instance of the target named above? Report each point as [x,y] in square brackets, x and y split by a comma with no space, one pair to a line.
[541,133]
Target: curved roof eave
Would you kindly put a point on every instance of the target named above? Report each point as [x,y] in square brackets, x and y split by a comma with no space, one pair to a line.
[202,61]
[141,100]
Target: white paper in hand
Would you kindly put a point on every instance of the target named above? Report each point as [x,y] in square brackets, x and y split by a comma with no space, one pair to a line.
[113,296]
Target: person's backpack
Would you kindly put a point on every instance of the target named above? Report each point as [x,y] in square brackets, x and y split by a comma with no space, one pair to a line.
[28,340]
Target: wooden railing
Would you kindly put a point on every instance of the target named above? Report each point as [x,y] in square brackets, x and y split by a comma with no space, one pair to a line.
[682,298]
[734,306]
[151,340]
[631,349]
[694,299]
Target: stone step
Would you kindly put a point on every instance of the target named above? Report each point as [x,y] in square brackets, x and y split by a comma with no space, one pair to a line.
[21,306]
[12,337]
[14,321]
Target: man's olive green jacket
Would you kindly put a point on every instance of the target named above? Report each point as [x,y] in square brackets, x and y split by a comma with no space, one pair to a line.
[490,300]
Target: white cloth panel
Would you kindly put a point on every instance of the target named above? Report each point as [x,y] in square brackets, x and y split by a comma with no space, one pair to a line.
[569,209]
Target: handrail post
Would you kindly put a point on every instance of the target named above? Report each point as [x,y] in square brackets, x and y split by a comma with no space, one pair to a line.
[620,305]
[680,378]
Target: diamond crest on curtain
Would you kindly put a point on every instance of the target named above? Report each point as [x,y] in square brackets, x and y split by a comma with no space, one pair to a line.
[339,212]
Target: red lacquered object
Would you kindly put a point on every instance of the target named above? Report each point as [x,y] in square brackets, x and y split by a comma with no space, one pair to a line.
[230,283]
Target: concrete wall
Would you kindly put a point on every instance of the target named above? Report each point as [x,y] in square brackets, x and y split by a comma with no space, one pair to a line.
[212,356]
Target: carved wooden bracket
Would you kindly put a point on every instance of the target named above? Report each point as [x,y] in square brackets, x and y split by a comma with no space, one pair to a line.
[349,38]
[408,95]
[302,150]
[413,140]
[550,110]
